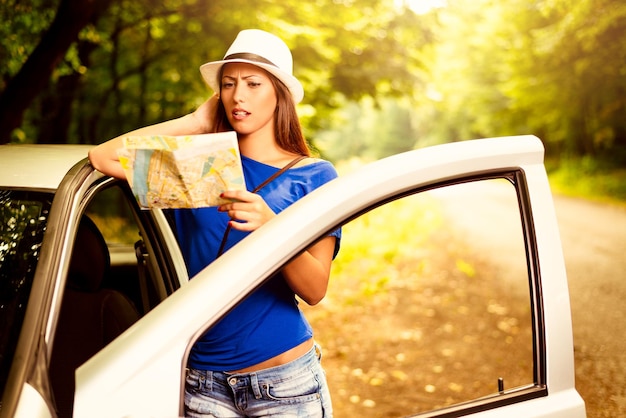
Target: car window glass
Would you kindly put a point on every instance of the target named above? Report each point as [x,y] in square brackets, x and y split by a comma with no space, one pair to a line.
[135,267]
[428,304]
[111,211]
[23,217]
[105,293]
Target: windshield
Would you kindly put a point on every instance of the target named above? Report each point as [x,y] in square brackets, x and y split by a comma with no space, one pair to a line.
[23,217]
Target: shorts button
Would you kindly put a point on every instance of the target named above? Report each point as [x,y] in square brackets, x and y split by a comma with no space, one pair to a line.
[232,381]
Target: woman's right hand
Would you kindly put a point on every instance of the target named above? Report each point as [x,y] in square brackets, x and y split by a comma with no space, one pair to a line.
[204,115]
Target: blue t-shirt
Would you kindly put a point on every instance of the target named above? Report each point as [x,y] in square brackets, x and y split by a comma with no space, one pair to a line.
[268,322]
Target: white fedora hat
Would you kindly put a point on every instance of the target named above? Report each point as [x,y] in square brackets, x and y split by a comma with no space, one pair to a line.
[260,48]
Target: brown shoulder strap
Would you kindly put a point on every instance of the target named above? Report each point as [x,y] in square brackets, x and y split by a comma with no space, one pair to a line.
[279,172]
[256,189]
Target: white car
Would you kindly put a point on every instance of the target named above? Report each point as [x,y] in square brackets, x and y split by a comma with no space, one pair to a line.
[93,327]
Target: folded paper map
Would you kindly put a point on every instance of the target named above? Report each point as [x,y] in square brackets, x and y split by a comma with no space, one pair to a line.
[182,171]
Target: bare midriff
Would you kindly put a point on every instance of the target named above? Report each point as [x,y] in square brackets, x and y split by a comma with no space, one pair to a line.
[283,358]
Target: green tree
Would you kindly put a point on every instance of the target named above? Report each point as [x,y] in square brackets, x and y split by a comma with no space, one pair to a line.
[555,68]
[20,89]
[583,54]
[138,62]
[370,130]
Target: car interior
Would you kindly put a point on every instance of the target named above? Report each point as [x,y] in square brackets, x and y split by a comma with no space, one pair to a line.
[114,278]
[91,315]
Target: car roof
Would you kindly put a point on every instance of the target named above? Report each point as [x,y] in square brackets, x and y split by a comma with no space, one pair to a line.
[38,166]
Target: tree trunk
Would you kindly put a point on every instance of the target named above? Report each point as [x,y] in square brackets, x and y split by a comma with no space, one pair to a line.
[34,76]
[58,102]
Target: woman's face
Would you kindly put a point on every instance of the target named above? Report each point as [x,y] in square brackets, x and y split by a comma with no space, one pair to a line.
[249,99]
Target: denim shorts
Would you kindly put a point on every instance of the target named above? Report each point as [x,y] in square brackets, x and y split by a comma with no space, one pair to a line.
[296,389]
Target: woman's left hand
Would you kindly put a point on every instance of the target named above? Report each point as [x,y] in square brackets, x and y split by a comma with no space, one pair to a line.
[248,210]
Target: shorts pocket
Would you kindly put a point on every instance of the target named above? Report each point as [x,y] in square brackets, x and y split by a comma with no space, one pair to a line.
[302,388]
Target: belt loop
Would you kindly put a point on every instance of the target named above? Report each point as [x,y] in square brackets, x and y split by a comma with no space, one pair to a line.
[208,383]
[318,352]
[201,381]
[254,383]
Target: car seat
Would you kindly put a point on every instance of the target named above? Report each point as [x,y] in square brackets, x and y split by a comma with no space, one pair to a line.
[90,316]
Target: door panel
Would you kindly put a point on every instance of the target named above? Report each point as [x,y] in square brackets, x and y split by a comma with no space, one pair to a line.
[142,373]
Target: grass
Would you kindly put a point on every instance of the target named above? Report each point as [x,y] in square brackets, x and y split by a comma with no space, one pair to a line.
[588,179]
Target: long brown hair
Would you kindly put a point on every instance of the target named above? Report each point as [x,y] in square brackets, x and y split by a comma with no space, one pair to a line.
[287,128]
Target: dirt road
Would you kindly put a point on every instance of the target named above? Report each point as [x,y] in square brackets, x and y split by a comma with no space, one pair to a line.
[594,245]
[593,237]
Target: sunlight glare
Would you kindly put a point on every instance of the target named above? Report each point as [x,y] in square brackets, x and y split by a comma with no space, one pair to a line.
[421,6]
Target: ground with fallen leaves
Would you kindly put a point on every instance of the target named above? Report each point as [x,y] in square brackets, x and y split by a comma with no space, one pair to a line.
[433,329]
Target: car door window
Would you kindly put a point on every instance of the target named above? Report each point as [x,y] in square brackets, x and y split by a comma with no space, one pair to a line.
[23,217]
[113,213]
[142,261]
[114,278]
[429,304]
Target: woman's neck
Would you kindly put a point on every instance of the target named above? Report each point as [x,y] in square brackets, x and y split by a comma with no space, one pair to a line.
[264,150]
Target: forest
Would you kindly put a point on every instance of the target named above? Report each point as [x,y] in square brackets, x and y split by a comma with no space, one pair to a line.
[380,76]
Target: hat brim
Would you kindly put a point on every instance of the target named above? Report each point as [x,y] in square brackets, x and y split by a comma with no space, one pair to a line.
[210,73]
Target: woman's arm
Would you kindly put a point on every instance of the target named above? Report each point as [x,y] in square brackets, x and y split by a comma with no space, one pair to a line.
[104,156]
[308,274]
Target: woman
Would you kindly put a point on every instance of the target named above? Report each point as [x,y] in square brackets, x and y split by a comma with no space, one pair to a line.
[260,359]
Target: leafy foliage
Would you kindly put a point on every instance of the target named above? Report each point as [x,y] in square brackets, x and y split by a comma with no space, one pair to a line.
[21,25]
[138,63]
[553,68]
[474,68]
